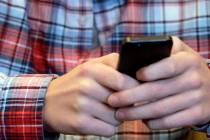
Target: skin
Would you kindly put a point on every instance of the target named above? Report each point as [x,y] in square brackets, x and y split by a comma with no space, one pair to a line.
[76,103]
[176,92]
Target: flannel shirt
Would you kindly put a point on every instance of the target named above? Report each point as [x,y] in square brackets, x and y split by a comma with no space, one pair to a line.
[41,38]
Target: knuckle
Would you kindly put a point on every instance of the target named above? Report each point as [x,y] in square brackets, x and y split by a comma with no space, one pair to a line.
[79,125]
[171,68]
[80,103]
[194,60]
[119,85]
[195,80]
[197,97]
[85,69]
[85,86]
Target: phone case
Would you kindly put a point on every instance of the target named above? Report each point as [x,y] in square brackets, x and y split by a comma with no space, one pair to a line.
[140,52]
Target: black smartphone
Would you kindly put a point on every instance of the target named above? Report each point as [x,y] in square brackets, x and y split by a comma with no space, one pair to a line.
[139,52]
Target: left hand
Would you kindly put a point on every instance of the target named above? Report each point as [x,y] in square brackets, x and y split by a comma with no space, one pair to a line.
[176,92]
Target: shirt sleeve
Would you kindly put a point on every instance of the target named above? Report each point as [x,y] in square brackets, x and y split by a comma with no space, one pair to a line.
[208,128]
[21,103]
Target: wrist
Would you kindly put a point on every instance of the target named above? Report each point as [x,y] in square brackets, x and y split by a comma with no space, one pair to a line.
[46,125]
[50,88]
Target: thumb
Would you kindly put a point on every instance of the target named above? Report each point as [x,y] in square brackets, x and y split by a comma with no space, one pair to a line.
[109,60]
[178,45]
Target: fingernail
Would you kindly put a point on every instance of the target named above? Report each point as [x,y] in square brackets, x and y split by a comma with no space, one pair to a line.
[142,77]
[120,115]
[138,75]
[113,100]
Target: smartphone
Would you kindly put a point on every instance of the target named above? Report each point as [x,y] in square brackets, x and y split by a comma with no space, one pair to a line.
[136,53]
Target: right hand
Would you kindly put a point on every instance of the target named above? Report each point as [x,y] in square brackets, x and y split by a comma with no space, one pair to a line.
[76,103]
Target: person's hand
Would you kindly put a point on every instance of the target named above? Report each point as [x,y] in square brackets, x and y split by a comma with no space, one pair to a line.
[76,103]
[176,92]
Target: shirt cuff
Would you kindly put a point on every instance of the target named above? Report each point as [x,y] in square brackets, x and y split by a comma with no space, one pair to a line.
[22,100]
[208,62]
[208,129]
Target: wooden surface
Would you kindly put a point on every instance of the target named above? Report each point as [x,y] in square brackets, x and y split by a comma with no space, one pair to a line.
[196,136]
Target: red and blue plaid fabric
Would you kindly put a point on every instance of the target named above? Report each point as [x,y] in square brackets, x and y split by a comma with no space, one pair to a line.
[40,38]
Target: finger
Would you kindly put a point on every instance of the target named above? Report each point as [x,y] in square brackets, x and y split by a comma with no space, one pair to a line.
[109,77]
[92,89]
[101,111]
[152,91]
[183,118]
[169,67]
[160,108]
[101,128]
[92,126]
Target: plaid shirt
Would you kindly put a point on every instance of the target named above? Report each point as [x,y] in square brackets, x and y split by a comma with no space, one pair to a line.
[40,38]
